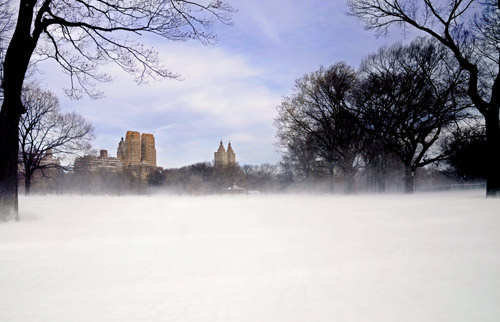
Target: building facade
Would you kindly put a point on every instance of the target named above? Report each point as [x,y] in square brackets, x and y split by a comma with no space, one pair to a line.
[223,157]
[136,158]
[148,150]
[137,149]
[101,163]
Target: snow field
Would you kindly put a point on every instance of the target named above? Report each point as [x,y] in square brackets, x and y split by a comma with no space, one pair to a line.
[425,257]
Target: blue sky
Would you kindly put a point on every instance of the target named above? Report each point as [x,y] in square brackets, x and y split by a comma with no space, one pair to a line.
[229,90]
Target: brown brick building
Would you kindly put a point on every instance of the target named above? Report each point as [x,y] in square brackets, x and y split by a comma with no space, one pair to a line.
[148,150]
[137,149]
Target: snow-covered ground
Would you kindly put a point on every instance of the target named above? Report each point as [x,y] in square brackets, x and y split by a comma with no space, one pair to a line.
[426,257]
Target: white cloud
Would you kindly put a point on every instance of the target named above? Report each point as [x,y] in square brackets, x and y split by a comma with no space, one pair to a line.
[222,95]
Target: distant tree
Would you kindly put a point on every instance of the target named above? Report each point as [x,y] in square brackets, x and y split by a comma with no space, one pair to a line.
[157,177]
[471,31]
[44,130]
[467,148]
[261,177]
[299,153]
[80,36]
[319,116]
[285,175]
[189,178]
[410,95]
[194,178]
[226,176]
[202,169]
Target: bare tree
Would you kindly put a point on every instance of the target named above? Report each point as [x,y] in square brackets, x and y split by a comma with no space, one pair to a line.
[260,177]
[319,113]
[81,35]
[45,131]
[471,31]
[300,153]
[411,95]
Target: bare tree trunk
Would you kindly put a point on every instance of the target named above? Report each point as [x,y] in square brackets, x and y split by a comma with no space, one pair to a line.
[8,164]
[27,184]
[381,174]
[493,158]
[16,62]
[409,179]
[350,182]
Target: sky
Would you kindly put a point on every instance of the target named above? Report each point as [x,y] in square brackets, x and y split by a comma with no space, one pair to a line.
[228,91]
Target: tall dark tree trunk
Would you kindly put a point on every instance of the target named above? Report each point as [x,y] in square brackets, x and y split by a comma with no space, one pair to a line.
[8,164]
[409,179]
[27,184]
[16,63]
[490,111]
[350,187]
[493,154]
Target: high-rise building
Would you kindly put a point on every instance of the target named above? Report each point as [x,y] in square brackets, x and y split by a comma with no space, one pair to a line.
[223,157]
[148,150]
[231,156]
[137,149]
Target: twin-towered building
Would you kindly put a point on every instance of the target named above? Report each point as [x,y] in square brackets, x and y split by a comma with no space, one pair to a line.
[223,157]
[137,149]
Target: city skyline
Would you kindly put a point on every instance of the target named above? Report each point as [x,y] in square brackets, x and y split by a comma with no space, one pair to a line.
[228,90]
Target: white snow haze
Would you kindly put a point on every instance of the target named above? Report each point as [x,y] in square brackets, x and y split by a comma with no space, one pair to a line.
[256,258]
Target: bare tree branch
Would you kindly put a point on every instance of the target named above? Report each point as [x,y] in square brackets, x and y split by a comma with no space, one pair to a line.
[45,132]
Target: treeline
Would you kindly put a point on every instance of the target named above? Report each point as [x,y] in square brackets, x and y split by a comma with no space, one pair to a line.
[196,179]
[284,177]
[404,109]
[204,178]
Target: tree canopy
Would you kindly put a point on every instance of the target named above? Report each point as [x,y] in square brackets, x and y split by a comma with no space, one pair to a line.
[471,31]
[45,131]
